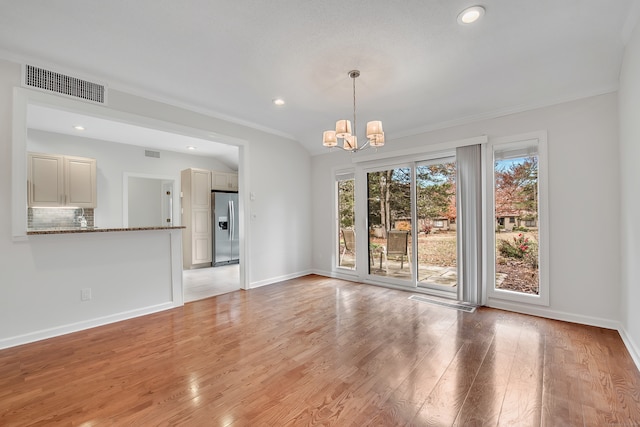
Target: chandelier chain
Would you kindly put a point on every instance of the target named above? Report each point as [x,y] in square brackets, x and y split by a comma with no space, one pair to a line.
[353,78]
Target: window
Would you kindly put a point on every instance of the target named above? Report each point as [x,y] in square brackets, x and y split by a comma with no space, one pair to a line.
[346,238]
[418,221]
[518,252]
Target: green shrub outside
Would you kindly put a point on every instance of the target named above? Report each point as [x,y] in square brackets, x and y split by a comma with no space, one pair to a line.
[521,248]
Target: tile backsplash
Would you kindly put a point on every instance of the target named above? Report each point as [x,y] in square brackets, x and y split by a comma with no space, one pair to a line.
[38,218]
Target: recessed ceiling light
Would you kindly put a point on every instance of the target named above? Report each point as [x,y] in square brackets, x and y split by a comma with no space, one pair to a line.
[278,101]
[190,147]
[78,127]
[470,15]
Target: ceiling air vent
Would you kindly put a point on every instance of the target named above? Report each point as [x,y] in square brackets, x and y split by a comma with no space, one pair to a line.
[151,153]
[66,85]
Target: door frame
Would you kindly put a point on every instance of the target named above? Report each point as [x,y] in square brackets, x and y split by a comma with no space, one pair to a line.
[164,180]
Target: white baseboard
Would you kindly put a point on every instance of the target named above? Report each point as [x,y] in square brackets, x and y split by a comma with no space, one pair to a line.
[80,326]
[273,280]
[337,275]
[553,314]
[632,347]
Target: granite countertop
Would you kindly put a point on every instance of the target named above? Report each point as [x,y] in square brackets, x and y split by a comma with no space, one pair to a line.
[67,230]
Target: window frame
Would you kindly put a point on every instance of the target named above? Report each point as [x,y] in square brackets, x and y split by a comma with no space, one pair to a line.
[341,175]
[498,297]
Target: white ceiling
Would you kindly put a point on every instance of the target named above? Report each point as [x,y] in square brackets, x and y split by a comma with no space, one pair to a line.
[64,122]
[420,68]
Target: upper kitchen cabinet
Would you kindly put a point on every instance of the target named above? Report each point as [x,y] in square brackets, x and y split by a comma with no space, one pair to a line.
[224,181]
[56,180]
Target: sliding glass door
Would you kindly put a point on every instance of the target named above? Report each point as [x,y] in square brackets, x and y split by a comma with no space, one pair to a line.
[389,217]
[437,247]
[411,213]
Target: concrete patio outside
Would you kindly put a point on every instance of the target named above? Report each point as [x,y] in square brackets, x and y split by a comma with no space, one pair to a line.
[391,267]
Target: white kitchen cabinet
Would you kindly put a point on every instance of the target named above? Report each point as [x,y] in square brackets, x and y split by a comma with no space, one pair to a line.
[233,181]
[197,240]
[224,181]
[56,180]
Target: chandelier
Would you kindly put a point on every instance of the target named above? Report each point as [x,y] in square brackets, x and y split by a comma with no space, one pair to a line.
[375,135]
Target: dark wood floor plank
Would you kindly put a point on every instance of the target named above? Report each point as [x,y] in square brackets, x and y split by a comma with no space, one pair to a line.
[321,351]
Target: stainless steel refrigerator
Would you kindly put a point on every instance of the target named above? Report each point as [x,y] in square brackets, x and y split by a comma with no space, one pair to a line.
[224,209]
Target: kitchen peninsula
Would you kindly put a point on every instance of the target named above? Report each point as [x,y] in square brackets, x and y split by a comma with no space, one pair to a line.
[87,277]
[70,230]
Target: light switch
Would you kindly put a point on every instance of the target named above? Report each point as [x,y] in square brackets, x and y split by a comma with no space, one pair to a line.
[252,196]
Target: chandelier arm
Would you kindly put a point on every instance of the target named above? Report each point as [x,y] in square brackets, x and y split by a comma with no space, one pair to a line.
[355,149]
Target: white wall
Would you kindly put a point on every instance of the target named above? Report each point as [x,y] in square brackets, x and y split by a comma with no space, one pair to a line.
[629,182]
[276,173]
[584,200]
[113,162]
[40,278]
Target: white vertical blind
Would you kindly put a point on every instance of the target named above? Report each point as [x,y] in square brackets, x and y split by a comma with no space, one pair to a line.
[469,190]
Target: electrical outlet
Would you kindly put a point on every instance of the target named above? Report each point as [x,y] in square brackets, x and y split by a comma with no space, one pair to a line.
[85,294]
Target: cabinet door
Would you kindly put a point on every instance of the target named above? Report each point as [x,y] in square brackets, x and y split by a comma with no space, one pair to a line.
[201,236]
[45,180]
[219,181]
[200,189]
[80,182]
[233,181]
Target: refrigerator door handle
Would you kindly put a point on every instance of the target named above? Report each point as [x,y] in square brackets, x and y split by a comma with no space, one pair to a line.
[232,217]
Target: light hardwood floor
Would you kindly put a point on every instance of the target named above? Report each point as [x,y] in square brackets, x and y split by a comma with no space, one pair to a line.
[320,351]
[203,283]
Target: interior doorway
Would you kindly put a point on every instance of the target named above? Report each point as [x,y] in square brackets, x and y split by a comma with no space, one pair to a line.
[147,200]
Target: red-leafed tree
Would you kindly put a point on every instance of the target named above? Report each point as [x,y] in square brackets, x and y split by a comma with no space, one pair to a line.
[517,189]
